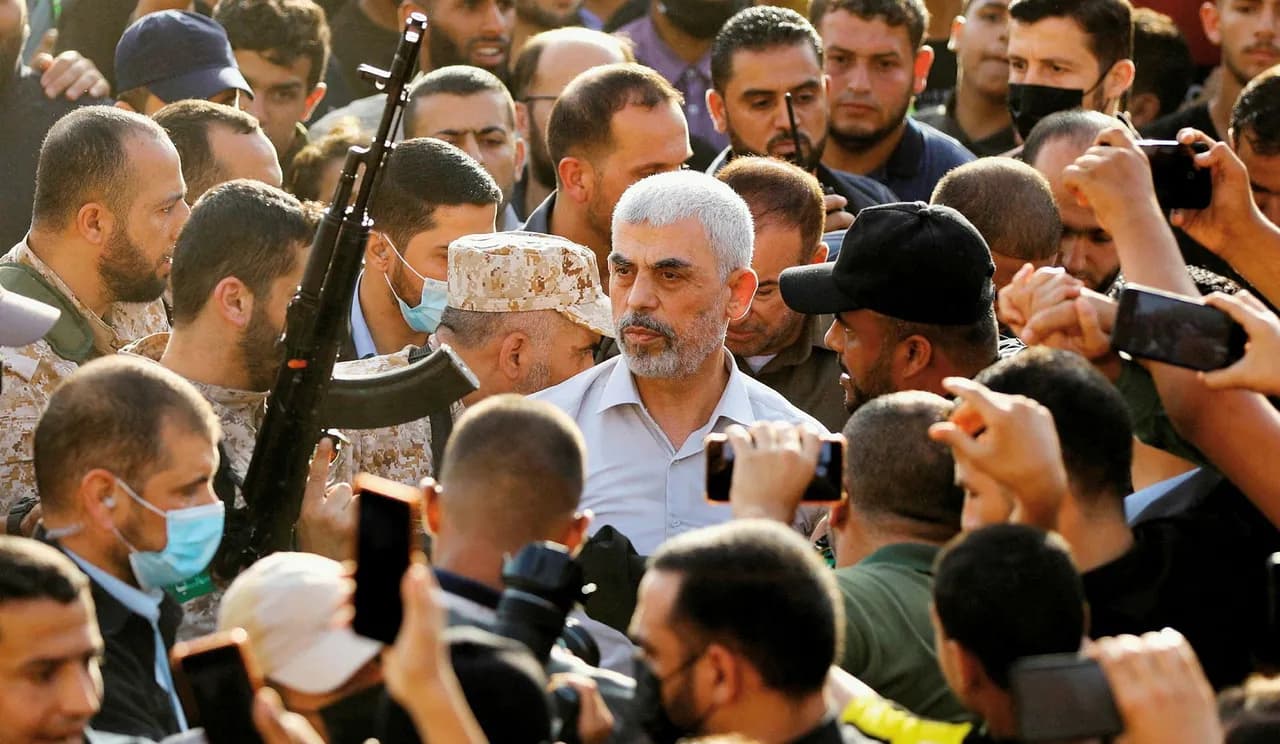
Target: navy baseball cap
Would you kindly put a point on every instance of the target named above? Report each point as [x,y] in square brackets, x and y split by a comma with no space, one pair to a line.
[910,261]
[177,55]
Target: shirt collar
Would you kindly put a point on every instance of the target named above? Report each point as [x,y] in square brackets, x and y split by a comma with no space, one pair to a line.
[915,556]
[145,604]
[361,337]
[735,401]
[452,583]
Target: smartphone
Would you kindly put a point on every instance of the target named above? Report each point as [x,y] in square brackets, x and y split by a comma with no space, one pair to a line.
[384,542]
[1061,697]
[217,679]
[1167,328]
[827,486]
[1179,183]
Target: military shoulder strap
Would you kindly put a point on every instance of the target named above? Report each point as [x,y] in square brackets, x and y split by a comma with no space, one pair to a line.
[71,337]
[441,429]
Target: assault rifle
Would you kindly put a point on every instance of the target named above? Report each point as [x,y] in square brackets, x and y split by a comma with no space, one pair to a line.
[299,403]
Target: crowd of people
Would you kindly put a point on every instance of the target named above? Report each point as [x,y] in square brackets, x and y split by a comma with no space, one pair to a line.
[891,244]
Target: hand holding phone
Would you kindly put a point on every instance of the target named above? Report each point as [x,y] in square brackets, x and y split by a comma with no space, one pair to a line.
[1062,697]
[384,543]
[769,469]
[1179,183]
[1167,328]
[218,679]
[1259,368]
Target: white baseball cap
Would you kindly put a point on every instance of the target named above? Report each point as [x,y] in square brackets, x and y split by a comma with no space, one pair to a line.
[286,602]
[24,320]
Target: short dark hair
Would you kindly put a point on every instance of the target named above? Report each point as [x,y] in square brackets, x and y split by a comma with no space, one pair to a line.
[757,29]
[280,30]
[308,166]
[240,228]
[750,584]
[525,68]
[582,117]
[1090,414]
[188,124]
[84,159]
[513,466]
[970,347]
[779,193]
[1010,204]
[1108,24]
[1255,116]
[419,176]
[892,467]
[1080,127]
[31,570]
[1162,59]
[111,413]
[473,329]
[456,80]
[1008,591]
[895,13]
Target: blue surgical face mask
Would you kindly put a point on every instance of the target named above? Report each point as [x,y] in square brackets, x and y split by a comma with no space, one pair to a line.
[193,536]
[425,317]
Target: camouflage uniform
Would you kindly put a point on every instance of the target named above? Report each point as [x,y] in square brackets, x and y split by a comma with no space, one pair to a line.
[32,372]
[401,453]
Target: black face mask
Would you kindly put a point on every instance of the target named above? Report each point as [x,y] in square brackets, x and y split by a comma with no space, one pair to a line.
[351,719]
[700,19]
[1030,103]
[649,711]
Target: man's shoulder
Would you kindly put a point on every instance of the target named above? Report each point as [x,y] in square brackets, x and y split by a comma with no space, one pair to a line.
[1168,126]
[770,405]
[943,149]
[861,191]
[31,109]
[570,394]
[935,116]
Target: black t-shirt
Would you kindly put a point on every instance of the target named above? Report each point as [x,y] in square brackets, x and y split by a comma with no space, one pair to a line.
[1167,127]
[1201,572]
[358,40]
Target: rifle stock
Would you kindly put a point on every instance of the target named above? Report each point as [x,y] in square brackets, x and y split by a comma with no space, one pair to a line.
[317,318]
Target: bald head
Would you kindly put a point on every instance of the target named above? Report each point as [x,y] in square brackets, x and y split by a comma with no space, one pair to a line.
[513,472]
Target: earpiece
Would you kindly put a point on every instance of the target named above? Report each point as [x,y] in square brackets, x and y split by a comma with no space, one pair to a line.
[109,502]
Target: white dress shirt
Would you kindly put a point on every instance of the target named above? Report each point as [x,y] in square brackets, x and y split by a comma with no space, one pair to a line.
[637,480]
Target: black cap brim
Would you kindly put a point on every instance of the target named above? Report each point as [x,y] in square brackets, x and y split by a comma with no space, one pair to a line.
[812,290]
[200,84]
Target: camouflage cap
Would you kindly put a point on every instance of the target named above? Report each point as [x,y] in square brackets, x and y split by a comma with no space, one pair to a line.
[521,271]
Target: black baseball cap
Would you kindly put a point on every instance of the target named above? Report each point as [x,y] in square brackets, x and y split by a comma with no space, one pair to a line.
[910,261]
[177,55]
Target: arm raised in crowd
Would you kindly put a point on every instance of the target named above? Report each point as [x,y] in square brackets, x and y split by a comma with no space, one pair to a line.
[1235,429]
[1233,227]
[1006,446]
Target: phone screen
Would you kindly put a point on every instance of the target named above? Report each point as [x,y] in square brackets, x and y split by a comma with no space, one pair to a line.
[383,545]
[1178,182]
[1165,328]
[827,486]
[1062,697]
[223,694]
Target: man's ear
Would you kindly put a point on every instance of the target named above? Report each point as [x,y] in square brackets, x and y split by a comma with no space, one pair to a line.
[1144,108]
[522,119]
[575,532]
[957,32]
[725,675]
[522,152]
[515,355]
[96,222]
[911,357]
[96,497]
[742,289]
[820,253]
[432,512]
[313,99]
[575,178]
[920,69]
[838,516]
[1212,22]
[716,107]
[1118,79]
[125,106]
[233,301]
[378,253]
